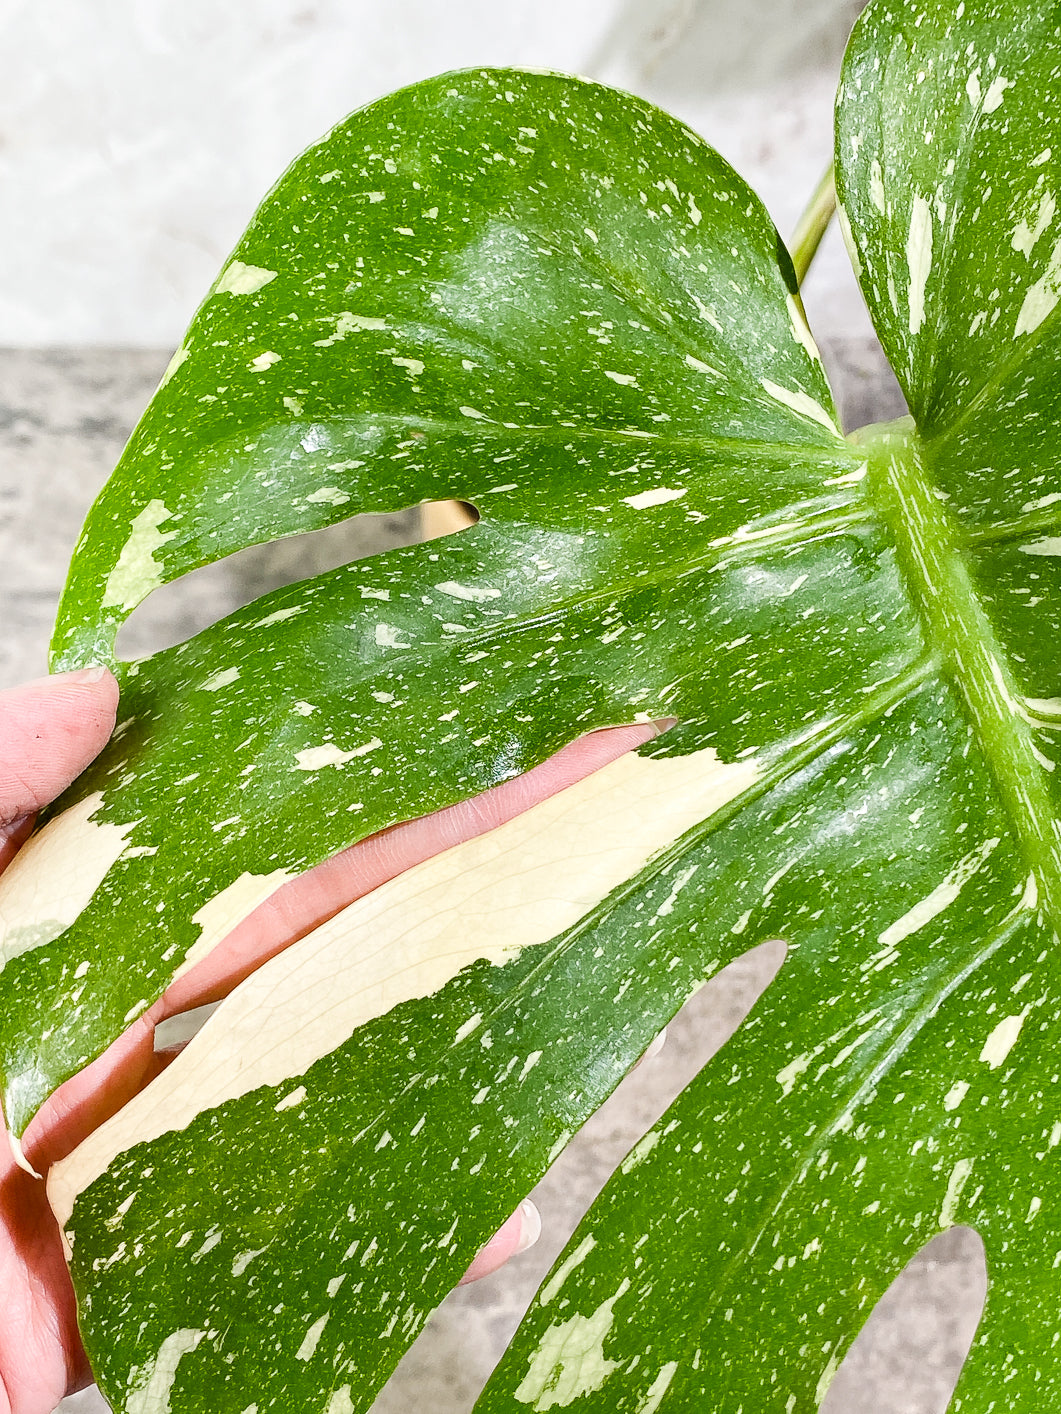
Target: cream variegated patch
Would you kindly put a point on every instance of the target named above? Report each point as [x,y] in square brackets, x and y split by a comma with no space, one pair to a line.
[226,910]
[54,876]
[485,899]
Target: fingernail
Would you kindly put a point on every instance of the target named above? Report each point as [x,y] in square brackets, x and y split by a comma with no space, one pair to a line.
[664,724]
[85,675]
[655,1045]
[530,1225]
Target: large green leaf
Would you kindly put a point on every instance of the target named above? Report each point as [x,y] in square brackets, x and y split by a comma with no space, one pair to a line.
[614,365]
[553,301]
[589,334]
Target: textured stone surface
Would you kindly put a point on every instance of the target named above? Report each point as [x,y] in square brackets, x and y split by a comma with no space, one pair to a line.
[63,417]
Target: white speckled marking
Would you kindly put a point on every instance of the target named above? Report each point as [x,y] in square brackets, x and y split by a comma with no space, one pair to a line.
[658,1388]
[640,1151]
[570,1360]
[994,95]
[1025,237]
[941,897]
[789,1074]
[801,403]
[179,358]
[700,366]
[959,1177]
[955,1095]
[1002,1040]
[659,496]
[243,1261]
[919,259]
[222,678]
[1050,546]
[264,361]
[801,329]
[280,616]
[315,758]
[348,323]
[329,496]
[151,1385]
[312,1337]
[876,186]
[414,365]
[240,279]
[844,222]
[1040,300]
[137,571]
[564,1270]
[826,1378]
[472,593]
[387,636]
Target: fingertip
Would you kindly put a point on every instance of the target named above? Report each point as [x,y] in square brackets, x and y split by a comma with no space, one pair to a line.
[87,697]
[530,1225]
[517,1234]
[50,730]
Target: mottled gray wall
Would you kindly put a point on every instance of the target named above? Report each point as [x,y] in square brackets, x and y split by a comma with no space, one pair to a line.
[137,136]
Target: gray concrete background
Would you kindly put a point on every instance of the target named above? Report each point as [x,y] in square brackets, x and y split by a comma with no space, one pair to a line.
[64,416]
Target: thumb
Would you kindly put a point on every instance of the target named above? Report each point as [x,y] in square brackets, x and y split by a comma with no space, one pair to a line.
[49,731]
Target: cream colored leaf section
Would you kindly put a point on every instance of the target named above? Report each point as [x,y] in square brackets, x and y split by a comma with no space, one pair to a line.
[241,279]
[152,1384]
[219,915]
[489,898]
[54,876]
[570,1360]
[137,572]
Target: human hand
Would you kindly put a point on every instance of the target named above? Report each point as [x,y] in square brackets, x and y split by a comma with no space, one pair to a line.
[49,732]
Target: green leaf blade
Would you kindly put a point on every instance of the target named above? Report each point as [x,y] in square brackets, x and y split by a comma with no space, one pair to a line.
[551,277]
[676,531]
[947,152]
[870,1090]
[583,495]
[555,1030]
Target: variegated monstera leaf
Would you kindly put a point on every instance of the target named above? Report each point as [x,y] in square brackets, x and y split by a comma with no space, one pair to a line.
[553,301]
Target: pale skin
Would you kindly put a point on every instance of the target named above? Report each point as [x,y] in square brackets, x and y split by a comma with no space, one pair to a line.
[49,732]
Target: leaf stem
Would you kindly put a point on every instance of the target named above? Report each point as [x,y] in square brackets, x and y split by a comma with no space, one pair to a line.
[813,224]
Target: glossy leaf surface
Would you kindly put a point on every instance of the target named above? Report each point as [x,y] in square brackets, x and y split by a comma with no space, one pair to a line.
[591,335]
[637,386]
[603,366]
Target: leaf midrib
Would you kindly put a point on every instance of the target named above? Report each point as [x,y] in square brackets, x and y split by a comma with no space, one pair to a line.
[928,550]
[839,453]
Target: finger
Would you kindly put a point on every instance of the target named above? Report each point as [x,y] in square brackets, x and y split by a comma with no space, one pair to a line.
[89,1098]
[49,732]
[308,901]
[516,1235]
